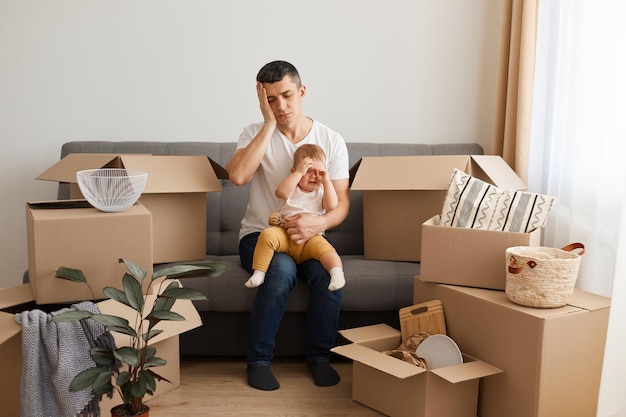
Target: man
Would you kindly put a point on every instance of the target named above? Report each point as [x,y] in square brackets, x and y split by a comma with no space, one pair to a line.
[264,156]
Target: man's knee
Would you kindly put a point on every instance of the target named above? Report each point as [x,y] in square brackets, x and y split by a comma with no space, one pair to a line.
[282,272]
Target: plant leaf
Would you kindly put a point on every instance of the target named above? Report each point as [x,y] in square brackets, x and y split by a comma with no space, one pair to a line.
[109,320]
[155,361]
[132,288]
[135,270]
[150,351]
[115,324]
[196,270]
[102,384]
[127,330]
[128,355]
[72,316]
[152,333]
[86,378]
[148,380]
[102,356]
[183,294]
[117,295]
[164,304]
[123,378]
[159,315]
[138,388]
[70,274]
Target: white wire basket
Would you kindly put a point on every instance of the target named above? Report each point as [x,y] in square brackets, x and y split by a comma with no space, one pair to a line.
[111,189]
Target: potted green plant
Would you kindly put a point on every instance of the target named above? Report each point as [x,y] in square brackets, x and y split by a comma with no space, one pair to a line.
[131,367]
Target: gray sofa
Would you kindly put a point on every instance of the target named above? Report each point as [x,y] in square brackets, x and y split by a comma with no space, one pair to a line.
[374,292]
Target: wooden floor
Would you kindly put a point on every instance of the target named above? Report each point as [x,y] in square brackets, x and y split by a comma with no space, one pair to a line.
[217,387]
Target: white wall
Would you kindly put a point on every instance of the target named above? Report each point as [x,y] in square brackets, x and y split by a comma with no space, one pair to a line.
[415,71]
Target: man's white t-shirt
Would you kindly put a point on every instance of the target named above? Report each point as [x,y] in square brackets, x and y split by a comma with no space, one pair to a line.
[277,164]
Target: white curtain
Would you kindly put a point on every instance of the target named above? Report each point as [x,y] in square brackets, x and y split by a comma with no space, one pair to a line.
[577,153]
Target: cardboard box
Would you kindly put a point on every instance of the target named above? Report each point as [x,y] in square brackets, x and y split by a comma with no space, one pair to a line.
[470,257]
[551,358]
[75,235]
[175,194]
[20,298]
[402,192]
[398,388]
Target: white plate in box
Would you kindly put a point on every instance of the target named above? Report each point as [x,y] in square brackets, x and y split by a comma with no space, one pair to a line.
[440,351]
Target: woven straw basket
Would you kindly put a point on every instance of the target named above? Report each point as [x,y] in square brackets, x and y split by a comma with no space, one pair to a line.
[541,276]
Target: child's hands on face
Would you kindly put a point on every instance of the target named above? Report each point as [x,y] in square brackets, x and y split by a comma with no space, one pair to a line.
[310,165]
[322,175]
[304,165]
[312,168]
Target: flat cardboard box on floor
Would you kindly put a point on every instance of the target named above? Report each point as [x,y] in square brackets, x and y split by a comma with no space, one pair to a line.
[73,234]
[175,194]
[402,192]
[469,257]
[551,358]
[20,298]
[397,388]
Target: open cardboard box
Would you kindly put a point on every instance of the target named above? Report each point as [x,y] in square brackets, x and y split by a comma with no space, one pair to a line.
[175,194]
[73,234]
[469,257]
[402,192]
[398,388]
[20,298]
[551,358]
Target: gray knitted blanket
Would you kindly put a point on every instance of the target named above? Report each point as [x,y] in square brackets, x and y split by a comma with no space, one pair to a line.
[53,354]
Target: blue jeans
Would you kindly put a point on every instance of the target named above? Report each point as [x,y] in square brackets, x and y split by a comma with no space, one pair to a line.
[271,302]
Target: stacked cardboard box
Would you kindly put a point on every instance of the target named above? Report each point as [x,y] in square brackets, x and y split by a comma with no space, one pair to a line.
[175,194]
[75,235]
[551,359]
[402,192]
[470,257]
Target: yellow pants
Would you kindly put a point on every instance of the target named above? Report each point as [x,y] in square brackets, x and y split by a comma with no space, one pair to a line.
[276,239]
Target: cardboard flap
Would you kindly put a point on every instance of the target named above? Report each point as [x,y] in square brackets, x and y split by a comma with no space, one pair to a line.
[59,204]
[379,337]
[470,369]
[380,361]
[10,297]
[65,169]
[174,174]
[170,328]
[495,170]
[166,173]
[407,172]
[13,296]
[367,333]
[8,327]
[220,171]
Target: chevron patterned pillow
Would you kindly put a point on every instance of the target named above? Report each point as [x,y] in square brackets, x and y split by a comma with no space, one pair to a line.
[475,204]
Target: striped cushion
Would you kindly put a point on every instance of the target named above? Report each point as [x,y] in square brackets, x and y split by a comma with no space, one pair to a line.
[475,204]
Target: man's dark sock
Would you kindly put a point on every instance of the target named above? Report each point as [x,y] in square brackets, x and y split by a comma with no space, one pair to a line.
[261,377]
[323,374]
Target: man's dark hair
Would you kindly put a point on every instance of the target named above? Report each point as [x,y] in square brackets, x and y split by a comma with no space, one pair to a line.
[276,71]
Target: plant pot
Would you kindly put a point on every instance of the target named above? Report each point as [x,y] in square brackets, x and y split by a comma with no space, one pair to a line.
[122,411]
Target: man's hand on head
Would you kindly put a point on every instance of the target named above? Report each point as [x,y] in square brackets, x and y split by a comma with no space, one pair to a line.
[264,104]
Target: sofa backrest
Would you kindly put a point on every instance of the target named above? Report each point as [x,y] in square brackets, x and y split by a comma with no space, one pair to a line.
[225,209]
